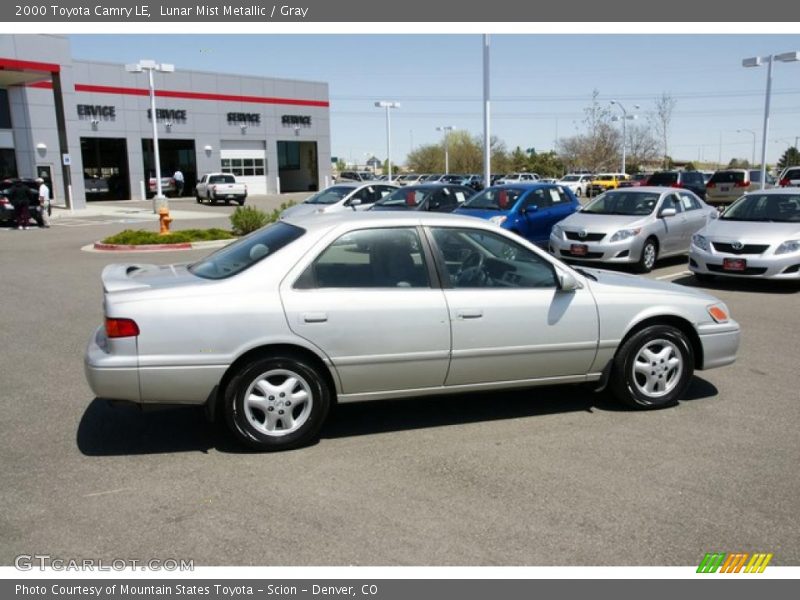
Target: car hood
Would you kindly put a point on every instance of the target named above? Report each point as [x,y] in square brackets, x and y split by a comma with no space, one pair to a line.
[632,284]
[127,277]
[592,222]
[300,210]
[481,213]
[751,231]
[392,207]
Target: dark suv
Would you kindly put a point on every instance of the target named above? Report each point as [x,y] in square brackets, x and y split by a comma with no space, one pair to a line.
[7,212]
[691,180]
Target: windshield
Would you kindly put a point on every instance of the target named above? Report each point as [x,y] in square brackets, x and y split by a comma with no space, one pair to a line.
[774,208]
[623,203]
[665,178]
[246,251]
[605,178]
[409,197]
[496,198]
[331,195]
[727,177]
[571,178]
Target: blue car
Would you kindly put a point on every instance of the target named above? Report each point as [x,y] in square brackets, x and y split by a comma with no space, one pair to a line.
[529,210]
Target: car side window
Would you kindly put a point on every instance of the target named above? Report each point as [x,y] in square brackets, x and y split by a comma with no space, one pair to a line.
[475,258]
[367,195]
[689,202]
[671,202]
[369,258]
[539,198]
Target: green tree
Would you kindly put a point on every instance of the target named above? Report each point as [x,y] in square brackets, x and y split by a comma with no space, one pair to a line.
[340,165]
[790,158]
[690,166]
[548,164]
[739,163]
[518,160]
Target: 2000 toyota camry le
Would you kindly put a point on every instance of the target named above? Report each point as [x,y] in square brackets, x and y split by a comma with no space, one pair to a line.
[274,328]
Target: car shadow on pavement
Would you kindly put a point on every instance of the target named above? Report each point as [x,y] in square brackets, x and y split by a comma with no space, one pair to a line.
[107,430]
[757,286]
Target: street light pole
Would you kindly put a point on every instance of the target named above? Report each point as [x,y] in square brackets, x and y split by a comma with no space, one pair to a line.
[753,133]
[150,66]
[388,105]
[757,61]
[446,129]
[625,118]
[487,150]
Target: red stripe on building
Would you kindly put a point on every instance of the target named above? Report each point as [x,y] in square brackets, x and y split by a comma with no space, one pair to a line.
[106,89]
[42,85]
[12,64]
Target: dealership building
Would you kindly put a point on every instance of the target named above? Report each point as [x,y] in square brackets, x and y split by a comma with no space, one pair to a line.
[85,126]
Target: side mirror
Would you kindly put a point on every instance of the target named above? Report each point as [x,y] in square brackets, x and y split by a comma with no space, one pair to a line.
[668,212]
[530,209]
[567,282]
[353,202]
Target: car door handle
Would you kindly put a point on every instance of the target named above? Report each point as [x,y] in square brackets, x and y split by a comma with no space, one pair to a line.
[315,317]
[469,313]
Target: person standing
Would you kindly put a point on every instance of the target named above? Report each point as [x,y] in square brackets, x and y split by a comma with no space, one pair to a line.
[178,177]
[20,197]
[44,202]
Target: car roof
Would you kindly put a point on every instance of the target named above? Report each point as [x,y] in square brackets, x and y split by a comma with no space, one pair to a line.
[778,191]
[319,223]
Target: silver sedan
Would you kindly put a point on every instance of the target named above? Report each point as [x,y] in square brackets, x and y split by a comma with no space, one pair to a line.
[632,226]
[273,329]
[756,237]
[345,196]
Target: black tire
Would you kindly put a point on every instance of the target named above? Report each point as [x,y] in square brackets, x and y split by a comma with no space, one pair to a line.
[227,202]
[578,192]
[241,202]
[703,277]
[647,261]
[245,422]
[664,342]
[198,198]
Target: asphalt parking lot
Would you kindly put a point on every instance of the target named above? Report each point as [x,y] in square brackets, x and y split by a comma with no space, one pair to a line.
[541,477]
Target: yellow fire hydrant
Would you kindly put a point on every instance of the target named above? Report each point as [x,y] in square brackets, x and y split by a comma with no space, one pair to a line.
[164,220]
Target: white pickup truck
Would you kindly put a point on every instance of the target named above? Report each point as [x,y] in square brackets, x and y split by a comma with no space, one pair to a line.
[216,187]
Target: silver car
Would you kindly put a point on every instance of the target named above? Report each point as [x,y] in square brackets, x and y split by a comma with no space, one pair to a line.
[632,226]
[756,237]
[275,328]
[576,182]
[345,196]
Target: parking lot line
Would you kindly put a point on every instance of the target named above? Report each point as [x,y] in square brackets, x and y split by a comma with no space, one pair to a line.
[673,275]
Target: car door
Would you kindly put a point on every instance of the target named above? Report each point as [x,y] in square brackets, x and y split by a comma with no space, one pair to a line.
[509,321]
[534,210]
[366,300]
[673,228]
[696,218]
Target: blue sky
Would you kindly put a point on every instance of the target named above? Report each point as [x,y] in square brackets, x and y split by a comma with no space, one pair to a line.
[540,83]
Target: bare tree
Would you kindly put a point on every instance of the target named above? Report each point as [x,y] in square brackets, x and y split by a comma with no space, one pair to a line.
[662,118]
[600,147]
[642,146]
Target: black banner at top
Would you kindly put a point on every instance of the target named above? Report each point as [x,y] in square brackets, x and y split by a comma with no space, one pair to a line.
[408,11]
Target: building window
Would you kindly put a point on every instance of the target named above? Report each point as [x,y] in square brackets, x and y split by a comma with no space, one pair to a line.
[288,155]
[8,163]
[5,110]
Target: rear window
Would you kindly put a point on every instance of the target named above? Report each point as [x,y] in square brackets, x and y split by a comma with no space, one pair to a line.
[727,177]
[792,174]
[755,176]
[221,179]
[663,179]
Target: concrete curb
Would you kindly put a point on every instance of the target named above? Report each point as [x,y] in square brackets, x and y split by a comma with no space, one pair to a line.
[101,247]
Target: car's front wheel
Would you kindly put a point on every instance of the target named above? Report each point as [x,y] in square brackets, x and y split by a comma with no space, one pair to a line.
[652,369]
[647,260]
[277,403]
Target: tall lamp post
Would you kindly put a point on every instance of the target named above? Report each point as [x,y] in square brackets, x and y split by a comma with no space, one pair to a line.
[150,66]
[625,118]
[388,105]
[446,129]
[757,61]
[753,133]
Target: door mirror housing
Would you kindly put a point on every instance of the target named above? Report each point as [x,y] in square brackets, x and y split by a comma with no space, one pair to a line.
[354,202]
[668,212]
[532,208]
[567,282]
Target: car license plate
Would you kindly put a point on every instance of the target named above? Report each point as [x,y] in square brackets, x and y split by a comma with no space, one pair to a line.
[734,264]
[724,188]
[578,249]
[231,196]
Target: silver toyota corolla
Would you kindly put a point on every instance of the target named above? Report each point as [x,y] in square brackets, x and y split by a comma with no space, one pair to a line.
[345,196]
[758,236]
[274,328]
[632,225]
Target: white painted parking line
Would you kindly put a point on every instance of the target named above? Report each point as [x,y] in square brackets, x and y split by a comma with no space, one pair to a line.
[673,275]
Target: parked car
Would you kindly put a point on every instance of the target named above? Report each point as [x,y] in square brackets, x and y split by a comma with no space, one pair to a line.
[727,185]
[95,187]
[790,177]
[576,183]
[356,176]
[691,180]
[345,308]
[758,236]
[529,210]
[511,178]
[473,181]
[7,211]
[603,182]
[632,226]
[168,187]
[345,196]
[408,179]
[453,178]
[215,187]
[636,180]
[435,197]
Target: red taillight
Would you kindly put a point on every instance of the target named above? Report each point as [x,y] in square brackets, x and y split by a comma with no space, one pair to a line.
[785,182]
[677,184]
[710,184]
[742,184]
[118,328]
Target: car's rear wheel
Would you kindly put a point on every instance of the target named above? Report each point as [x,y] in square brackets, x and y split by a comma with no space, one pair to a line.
[277,403]
[652,369]
[241,202]
[647,260]
[578,192]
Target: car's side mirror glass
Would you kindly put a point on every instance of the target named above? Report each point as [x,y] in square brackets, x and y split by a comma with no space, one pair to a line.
[354,202]
[668,212]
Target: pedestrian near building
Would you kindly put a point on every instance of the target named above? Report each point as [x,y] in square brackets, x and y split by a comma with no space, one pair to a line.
[20,197]
[44,202]
[178,177]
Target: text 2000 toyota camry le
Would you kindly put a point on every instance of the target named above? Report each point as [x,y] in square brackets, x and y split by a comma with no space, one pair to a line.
[305,312]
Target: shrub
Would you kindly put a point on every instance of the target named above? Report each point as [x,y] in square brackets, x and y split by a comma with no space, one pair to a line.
[246,219]
[131,237]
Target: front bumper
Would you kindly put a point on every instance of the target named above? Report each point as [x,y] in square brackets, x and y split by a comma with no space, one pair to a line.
[720,342]
[758,266]
[623,252]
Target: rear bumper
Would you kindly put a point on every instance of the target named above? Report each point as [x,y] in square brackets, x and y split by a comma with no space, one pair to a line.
[720,344]
[110,376]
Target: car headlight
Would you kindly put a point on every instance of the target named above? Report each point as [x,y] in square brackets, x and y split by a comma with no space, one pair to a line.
[718,312]
[498,220]
[624,234]
[701,242]
[557,231]
[788,247]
